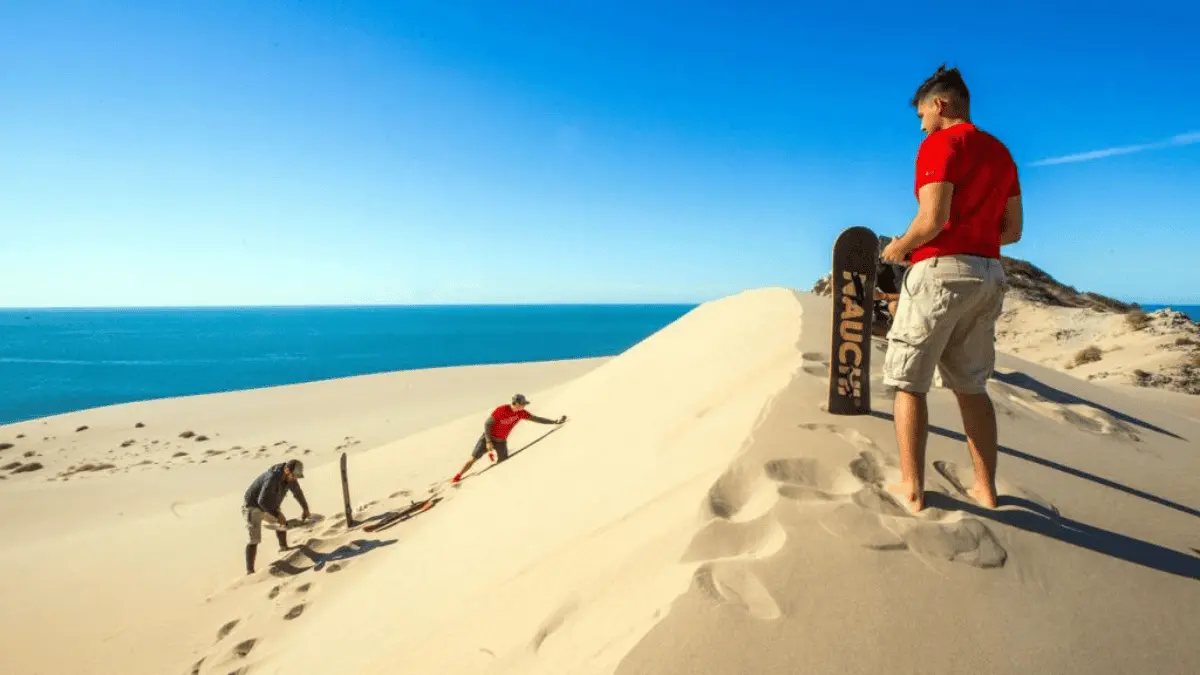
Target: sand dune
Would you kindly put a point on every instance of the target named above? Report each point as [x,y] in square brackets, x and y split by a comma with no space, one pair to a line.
[699,513]
[1159,349]
[113,561]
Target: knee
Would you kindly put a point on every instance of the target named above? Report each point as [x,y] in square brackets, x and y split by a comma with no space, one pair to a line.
[904,395]
[972,395]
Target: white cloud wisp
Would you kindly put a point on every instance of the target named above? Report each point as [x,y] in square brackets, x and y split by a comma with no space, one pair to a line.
[1172,142]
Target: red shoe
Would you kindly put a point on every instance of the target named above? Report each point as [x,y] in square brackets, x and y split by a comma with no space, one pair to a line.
[492,456]
[457,477]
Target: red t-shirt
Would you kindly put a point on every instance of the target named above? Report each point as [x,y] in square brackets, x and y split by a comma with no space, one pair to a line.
[984,177]
[506,418]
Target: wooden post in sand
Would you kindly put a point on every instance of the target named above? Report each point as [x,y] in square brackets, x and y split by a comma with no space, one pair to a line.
[346,494]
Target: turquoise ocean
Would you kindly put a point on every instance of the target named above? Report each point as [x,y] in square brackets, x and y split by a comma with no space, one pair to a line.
[62,360]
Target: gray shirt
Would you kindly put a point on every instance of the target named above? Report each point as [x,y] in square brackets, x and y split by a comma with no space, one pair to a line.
[268,490]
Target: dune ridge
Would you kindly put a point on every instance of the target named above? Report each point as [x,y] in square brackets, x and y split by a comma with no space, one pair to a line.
[699,513]
[713,508]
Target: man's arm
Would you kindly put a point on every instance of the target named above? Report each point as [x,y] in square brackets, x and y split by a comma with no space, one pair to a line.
[933,210]
[299,495]
[487,430]
[264,492]
[541,420]
[1014,221]
[936,160]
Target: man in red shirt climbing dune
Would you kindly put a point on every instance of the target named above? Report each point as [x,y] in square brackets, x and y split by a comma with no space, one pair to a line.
[969,205]
[496,429]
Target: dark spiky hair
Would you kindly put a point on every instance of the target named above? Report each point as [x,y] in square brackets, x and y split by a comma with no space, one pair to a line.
[944,82]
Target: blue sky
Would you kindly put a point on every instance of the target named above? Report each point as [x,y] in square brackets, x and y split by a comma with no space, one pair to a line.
[287,152]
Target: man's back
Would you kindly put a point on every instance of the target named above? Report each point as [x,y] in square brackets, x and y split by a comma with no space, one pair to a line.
[984,177]
[268,487]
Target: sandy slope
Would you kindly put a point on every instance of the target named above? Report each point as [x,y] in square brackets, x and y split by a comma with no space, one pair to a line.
[110,560]
[1168,352]
[700,513]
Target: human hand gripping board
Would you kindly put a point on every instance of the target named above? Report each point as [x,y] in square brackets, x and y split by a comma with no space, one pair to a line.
[855,260]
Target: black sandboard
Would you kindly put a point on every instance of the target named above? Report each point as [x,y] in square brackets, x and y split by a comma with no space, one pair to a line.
[388,519]
[346,494]
[855,261]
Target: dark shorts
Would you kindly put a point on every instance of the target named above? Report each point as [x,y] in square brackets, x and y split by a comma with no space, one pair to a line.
[481,449]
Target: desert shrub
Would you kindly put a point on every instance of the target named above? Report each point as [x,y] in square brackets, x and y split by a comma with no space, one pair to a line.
[1090,354]
[1137,319]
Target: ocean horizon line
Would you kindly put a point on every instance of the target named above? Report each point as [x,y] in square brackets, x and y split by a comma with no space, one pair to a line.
[431,305]
[427,305]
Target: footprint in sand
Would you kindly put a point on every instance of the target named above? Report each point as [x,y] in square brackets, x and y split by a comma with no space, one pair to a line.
[720,539]
[968,541]
[799,477]
[845,496]
[862,527]
[552,624]
[870,517]
[225,630]
[809,473]
[815,364]
[733,583]
[874,520]
[950,472]
[294,612]
[242,649]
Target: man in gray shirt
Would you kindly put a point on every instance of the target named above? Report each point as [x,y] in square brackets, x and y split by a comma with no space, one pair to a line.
[264,497]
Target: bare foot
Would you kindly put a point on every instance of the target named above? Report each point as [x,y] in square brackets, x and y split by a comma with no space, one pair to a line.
[910,499]
[983,496]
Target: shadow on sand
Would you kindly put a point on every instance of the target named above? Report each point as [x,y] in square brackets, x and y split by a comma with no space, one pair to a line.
[1055,395]
[392,518]
[295,562]
[1050,464]
[518,451]
[1035,518]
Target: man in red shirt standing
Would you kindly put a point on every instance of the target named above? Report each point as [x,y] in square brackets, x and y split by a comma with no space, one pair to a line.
[969,205]
[496,429]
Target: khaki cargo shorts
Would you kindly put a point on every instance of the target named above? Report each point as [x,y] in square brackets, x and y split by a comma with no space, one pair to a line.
[254,519]
[946,320]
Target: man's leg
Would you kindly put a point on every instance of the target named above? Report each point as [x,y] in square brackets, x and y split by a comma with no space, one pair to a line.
[979,421]
[966,367]
[281,535]
[501,450]
[253,518]
[478,451]
[912,431]
[921,327]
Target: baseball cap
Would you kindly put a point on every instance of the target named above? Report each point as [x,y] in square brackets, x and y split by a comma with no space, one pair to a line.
[296,467]
[520,398]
